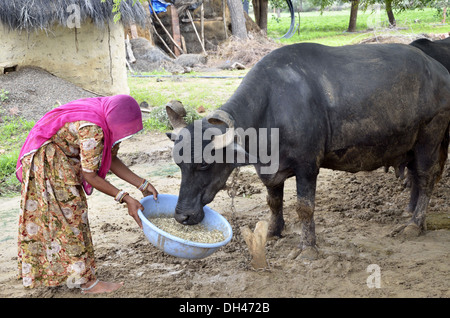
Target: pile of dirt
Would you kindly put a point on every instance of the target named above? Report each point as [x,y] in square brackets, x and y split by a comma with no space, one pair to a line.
[32,92]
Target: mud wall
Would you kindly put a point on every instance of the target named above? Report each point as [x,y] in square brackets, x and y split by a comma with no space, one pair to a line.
[90,57]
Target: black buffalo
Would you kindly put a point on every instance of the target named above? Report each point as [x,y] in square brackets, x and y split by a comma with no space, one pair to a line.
[439,50]
[352,108]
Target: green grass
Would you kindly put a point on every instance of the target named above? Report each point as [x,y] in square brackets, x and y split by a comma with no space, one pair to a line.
[8,163]
[7,169]
[330,27]
[191,89]
[13,132]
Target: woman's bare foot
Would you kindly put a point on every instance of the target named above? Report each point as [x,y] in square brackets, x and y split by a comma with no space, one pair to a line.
[98,287]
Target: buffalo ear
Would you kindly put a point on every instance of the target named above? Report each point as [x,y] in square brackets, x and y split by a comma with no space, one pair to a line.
[176,112]
[172,136]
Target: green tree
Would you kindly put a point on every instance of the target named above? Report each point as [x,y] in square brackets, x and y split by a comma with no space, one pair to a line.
[440,5]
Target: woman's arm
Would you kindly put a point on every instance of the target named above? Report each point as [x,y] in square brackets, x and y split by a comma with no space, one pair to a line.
[91,148]
[104,186]
[124,173]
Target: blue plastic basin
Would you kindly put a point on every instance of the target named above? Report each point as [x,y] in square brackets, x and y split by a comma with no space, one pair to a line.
[175,246]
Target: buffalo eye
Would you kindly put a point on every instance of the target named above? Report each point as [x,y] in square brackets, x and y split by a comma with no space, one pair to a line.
[204,166]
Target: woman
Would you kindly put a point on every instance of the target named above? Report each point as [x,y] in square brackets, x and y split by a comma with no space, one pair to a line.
[68,153]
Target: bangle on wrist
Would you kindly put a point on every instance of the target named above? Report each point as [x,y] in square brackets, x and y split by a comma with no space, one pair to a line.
[123,197]
[144,185]
[119,197]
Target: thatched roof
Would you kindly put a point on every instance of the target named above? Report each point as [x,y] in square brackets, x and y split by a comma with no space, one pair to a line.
[32,15]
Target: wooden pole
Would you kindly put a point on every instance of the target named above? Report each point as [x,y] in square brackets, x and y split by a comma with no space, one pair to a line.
[202,23]
[129,50]
[224,19]
[195,29]
[183,44]
[176,29]
[134,32]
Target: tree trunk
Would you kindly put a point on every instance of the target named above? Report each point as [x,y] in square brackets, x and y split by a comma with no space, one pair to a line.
[260,9]
[390,14]
[238,28]
[353,16]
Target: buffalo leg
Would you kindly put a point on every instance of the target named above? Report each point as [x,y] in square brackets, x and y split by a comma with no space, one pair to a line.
[414,196]
[424,182]
[426,169]
[306,190]
[420,197]
[275,202]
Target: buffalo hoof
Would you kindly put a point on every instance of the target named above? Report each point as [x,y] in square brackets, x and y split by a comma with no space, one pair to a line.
[406,231]
[274,236]
[294,253]
[411,231]
[407,213]
[275,229]
[309,253]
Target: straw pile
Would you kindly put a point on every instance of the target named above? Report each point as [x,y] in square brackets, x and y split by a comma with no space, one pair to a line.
[247,52]
[42,14]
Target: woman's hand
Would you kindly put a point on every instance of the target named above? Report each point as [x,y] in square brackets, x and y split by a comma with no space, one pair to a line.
[133,206]
[150,190]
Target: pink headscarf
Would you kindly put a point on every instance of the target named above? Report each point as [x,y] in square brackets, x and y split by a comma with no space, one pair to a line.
[118,116]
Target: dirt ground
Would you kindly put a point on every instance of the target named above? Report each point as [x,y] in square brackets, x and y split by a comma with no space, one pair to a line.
[355,213]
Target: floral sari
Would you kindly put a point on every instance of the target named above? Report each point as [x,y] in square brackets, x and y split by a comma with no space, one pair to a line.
[55,244]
